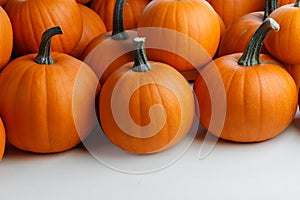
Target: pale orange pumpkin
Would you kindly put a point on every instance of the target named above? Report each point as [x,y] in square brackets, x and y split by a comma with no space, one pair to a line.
[185,18]
[47,102]
[261,96]
[159,101]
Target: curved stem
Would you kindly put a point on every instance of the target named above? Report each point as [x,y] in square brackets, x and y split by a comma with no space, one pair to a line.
[44,57]
[251,54]
[141,63]
[119,32]
[297,3]
[270,6]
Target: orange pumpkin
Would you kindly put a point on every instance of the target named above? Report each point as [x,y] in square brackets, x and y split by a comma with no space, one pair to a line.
[183,17]
[261,95]
[83,1]
[6,35]
[231,10]
[136,88]
[30,18]
[2,139]
[238,34]
[294,71]
[47,102]
[284,2]
[111,46]
[132,11]
[92,27]
[285,45]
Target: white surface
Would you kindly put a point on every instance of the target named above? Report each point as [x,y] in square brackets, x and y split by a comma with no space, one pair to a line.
[267,170]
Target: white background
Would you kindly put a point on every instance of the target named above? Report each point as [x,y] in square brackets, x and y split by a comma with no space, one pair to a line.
[266,170]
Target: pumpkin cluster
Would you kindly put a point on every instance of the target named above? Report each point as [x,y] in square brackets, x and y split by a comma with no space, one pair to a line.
[129,65]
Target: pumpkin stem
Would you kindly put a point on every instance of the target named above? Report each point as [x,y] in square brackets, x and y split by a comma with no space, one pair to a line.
[251,54]
[44,57]
[297,4]
[141,63]
[119,32]
[270,6]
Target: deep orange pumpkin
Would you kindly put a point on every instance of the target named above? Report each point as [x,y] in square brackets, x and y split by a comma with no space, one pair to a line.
[231,10]
[194,19]
[285,45]
[159,101]
[2,139]
[31,17]
[47,104]
[132,11]
[6,35]
[261,95]
[110,50]
[238,34]
[294,71]
[92,27]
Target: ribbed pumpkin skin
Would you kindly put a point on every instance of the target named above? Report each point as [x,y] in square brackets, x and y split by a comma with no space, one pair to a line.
[179,107]
[231,10]
[132,11]
[2,139]
[93,26]
[6,35]
[261,99]
[41,103]
[30,18]
[186,17]
[237,36]
[285,45]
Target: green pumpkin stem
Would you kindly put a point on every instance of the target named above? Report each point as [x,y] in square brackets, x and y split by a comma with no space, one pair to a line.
[141,63]
[251,54]
[297,3]
[270,6]
[119,32]
[44,57]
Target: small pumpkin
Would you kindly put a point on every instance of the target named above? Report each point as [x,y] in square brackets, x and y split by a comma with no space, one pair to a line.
[30,18]
[261,95]
[2,139]
[285,45]
[186,18]
[47,101]
[132,11]
[231,10]
[238,34]
[92,27]
[113,47]
[136,88]
[6,35]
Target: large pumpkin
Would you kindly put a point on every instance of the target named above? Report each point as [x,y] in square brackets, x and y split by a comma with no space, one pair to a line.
[285,45]
[238,34]
[108,51]
[6,35]
[231,10]
[132,11]
[92,27]
[195,19]
[146,107]
[31,17]
[47,102]
[261,95]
